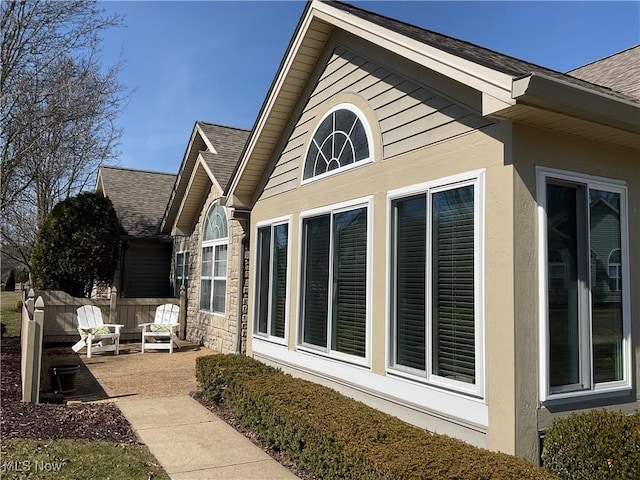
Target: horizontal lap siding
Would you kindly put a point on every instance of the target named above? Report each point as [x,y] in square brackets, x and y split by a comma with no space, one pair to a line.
[410,116]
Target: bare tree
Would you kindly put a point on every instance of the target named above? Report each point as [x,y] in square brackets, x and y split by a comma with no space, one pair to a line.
[57,111]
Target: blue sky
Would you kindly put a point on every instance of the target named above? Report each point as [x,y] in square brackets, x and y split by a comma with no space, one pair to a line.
[214,61]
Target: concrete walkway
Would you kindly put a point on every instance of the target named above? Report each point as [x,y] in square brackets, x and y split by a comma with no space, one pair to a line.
[191,443]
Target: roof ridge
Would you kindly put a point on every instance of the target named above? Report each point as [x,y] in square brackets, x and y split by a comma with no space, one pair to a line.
[443,35]
[222,126]
[472,52]
[129,169]
[603,58]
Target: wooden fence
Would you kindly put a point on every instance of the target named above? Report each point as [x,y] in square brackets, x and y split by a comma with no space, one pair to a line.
[61,322]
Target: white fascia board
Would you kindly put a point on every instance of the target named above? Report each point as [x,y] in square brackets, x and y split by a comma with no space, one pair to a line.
[205,139]
[183,168]
[484,79]
[212,177]
[100,183]
[277,86]
[557,95]
[194,173]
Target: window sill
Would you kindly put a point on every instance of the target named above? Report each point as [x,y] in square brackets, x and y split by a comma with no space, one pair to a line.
[217,314]
[334,356]
[273,340]
[471,392]
[585,397]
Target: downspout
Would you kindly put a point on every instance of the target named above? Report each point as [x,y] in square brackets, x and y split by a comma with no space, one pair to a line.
[241,271]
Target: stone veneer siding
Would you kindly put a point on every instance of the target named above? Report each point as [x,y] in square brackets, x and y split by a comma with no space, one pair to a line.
[215,331]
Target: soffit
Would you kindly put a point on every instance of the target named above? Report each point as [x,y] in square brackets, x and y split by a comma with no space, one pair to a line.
[488,72]
[196,192]
[578,127]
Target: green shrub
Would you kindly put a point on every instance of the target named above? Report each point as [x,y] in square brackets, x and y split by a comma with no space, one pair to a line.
[333,436]
[77,246]
[599,444]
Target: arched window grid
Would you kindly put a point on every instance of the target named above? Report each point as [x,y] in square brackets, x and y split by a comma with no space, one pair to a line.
[341,140]
[213,274]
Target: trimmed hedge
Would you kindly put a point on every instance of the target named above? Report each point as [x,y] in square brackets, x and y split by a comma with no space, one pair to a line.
[333,436]
[598,444]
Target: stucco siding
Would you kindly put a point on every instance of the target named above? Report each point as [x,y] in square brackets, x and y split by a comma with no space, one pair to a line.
[409,116]
[480,150]
[534,147]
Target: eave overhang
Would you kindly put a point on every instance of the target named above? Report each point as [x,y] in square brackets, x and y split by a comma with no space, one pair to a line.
[197,143]
[502,95]
[200,183]
[553,94]
[314,29]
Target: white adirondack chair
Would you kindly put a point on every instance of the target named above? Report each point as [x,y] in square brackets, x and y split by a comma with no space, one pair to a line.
[163,328]
[93,332]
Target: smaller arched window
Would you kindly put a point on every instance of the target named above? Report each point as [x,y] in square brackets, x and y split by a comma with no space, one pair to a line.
[213,275]
[341,140]
[615,270]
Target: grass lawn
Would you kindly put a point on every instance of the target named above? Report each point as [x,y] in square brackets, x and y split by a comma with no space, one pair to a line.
[77,460]
[9,315]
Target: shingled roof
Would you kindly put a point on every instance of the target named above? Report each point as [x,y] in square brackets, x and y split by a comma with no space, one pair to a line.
[228,143]
[211,156]
[620,71]
[139,198]
[483,56]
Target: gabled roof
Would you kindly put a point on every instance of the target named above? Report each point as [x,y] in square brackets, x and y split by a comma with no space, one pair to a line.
[209,159]
[620,72]
[508,88]
[138,196]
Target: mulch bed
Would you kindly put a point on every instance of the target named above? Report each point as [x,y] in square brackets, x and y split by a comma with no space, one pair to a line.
[95,421]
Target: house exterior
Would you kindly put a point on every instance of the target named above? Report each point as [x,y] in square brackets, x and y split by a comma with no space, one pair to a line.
[442,231]
[139,198]
[209,246]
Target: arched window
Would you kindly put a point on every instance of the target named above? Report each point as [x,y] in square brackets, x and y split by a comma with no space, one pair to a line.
[341,140]
[615,270]
[213,275]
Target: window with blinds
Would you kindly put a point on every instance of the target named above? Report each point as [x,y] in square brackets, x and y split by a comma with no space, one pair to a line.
[433,285]
[271,291]
[334,293]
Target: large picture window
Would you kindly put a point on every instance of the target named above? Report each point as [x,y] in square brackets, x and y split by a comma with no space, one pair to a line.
[213,276]
[334,282]
[271,288]
[585,317]
[435,285]
[341,140]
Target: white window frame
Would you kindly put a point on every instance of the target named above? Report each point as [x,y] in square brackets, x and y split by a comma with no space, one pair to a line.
[367,128]
[475,178]
[182,277]
[214,245]
[589,182]
[364,202]
[256,282]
